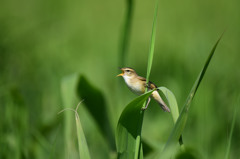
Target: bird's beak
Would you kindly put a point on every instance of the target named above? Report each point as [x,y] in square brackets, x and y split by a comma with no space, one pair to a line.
[121,74]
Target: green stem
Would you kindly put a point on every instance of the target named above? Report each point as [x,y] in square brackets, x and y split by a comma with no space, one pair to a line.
[231,132]
[152,44]
[150,59]
[126,33]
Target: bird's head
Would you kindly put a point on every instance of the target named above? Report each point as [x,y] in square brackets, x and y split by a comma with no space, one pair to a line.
[127,72]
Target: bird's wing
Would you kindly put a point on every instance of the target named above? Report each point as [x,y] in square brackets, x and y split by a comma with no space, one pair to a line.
[150,84]
[141,78]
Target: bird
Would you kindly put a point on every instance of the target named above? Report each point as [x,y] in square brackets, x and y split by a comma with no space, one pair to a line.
[137,85]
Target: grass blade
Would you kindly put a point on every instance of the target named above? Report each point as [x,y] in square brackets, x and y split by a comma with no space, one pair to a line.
[126,33]
[68,93]
[150,60]
[129,128]
[172,102]
[82,143]
[181,121]
[68,86]
[231,132]
[96,105]
[128,137]
[152,43]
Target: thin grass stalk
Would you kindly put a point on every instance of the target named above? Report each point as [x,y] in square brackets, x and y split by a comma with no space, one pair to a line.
[150,60]
[82,143]
[231,132]
[181,122]
[126,33]
[152,44]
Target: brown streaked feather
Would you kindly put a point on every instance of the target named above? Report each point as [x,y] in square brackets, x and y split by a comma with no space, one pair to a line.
[141,78]
[150,84]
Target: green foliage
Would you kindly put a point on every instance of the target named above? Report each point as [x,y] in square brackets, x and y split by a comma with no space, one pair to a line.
[227,156]
[129,129]
[43,41]
[172,102]
[95,103]
[69,85]
[152,43]
[182,119]
[188,153]
[82,144]
[126,33]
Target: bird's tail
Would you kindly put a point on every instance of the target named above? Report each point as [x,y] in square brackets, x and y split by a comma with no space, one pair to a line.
[163,105]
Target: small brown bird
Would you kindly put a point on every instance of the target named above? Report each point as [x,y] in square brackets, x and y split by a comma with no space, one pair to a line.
[137,84]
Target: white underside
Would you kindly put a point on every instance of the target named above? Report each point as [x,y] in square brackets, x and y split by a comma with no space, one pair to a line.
[135,87]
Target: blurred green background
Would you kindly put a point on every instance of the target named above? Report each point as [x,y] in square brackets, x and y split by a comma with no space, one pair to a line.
[43,41]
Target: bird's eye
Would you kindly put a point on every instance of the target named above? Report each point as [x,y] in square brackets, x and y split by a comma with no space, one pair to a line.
[127,70]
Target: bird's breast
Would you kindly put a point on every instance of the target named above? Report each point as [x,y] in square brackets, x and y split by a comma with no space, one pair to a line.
[135,86]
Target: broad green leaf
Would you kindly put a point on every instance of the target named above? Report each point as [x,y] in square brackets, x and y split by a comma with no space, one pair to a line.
[68,93]
[172,102]
[96,105]
[129,129]
[138,153]
[181,121]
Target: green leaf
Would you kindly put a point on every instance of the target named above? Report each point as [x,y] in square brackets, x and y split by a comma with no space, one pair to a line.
[172,102]
[129,129]
[126,33]
[82,143]
[68,86]
[152,43]
[181,121]
[138,149]
[231,132]
[68,93]
[96,105]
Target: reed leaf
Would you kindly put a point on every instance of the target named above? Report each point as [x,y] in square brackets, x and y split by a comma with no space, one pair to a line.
[82,143]
[126,33]
[181,121]
[152,43]
[129,129]
[231,131]
[68,94]
[172,102]
[95,103]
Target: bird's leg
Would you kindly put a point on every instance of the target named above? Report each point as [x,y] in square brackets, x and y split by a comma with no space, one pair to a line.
[149,99]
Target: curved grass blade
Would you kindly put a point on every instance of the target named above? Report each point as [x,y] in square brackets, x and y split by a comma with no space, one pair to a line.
[68,85]
[181,121]
[96,105]
[68,93]
[129,129]
[172,102]
[82,143]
